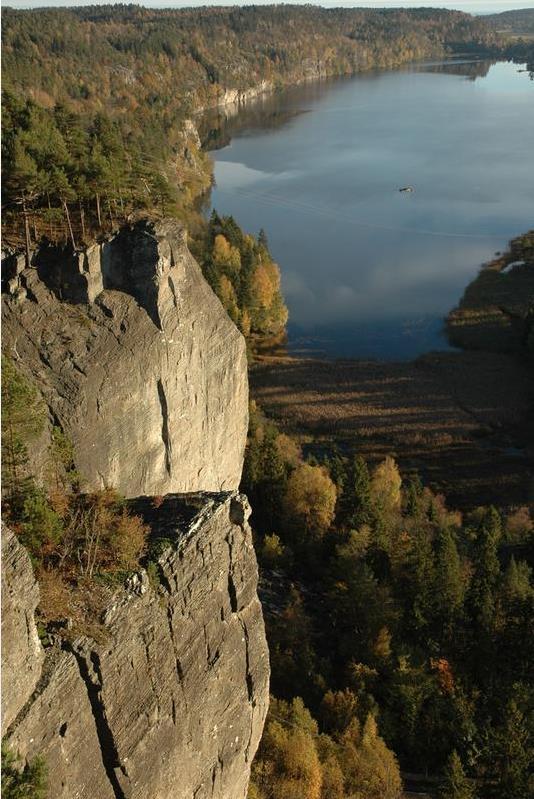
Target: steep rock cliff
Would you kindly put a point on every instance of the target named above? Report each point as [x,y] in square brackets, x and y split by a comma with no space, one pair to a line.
[22,653]
[171,701]
[136,359]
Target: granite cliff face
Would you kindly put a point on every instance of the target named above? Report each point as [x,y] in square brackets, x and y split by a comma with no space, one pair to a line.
[136,359]
[171,702]
[139,364]
[22,653]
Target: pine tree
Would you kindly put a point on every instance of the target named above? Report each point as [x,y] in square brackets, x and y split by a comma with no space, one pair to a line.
[357,495]
[98,171]
[455,784]
[414,496]
[421,579]
[271,481]
[486,569]
[514,754]
[449,581]
[19,781]
[22,181]
[63,190]
[262,240]
[516,582]
[23,416]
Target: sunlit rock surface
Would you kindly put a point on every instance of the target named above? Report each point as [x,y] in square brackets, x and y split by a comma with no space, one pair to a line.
[136,359]
[170,703]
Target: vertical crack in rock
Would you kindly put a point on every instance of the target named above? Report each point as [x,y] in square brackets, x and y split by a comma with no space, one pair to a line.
[207,645]
[165,427]
[232,590]
[232,593]
[173,287]
[250,682]
[149,308]
[92,678]
[250,688]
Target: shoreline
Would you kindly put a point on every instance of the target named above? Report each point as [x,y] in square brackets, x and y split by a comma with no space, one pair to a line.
[460,418]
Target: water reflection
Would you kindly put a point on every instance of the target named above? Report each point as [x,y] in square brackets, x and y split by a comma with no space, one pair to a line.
[470,69]
[367,270]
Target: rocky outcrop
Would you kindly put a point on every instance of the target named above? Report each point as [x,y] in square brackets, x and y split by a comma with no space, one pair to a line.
[22,654]
[496,312]
[136,359]
[237,97]
[171,701]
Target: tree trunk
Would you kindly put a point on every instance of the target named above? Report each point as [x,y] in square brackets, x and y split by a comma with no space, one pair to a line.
[82,219]
[67,216]
[26,233]
[50,228]
[98,210]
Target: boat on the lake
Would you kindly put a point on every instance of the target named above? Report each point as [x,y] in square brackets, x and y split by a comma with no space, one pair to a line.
[407,188]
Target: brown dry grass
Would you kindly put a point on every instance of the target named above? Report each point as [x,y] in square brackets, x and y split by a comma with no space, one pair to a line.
[76,608]
[450,416]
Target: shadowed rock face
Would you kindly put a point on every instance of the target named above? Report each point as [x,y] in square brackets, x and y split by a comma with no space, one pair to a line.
[171,703]
[137,361]
[22,654]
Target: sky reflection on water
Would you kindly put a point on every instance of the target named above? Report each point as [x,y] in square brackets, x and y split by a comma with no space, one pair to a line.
[368,271]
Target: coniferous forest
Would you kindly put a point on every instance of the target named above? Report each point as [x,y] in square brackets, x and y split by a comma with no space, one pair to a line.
[399,628]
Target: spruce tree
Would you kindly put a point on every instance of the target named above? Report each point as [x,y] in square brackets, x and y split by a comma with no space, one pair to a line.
[455,784]
[357,496]
[414,495]
[514,754]
[449,581]
[486,570]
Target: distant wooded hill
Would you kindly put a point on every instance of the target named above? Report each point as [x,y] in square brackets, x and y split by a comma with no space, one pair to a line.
[520,22]
[95,98]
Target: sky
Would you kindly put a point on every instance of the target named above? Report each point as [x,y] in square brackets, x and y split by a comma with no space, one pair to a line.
[470,6]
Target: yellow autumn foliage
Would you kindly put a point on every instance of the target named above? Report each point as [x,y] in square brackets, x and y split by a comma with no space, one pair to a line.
[225,256]
[228,297]
[386,486]
[310,498]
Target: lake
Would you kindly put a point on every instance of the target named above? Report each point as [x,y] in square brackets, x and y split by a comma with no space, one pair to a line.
[367,270]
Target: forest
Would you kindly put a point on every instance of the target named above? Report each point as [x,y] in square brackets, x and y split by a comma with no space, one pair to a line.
[518,22]
[399,631]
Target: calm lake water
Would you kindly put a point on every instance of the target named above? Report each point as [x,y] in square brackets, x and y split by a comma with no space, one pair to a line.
[368,271]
